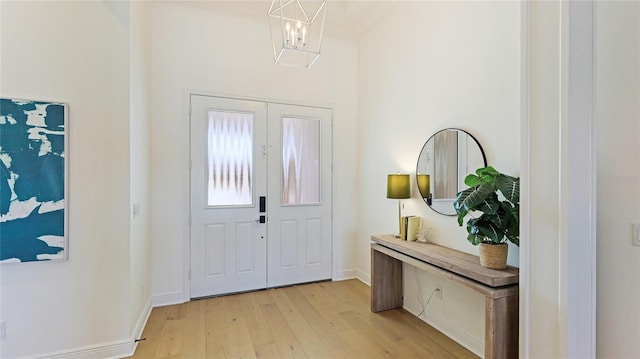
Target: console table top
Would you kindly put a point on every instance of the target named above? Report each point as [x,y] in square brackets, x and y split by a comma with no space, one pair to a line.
[461,263]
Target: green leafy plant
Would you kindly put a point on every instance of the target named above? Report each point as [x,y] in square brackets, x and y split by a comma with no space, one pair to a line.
[497,197]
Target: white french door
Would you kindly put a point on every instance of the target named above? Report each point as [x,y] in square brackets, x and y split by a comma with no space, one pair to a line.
[228,246]
[299,194]
[260,195]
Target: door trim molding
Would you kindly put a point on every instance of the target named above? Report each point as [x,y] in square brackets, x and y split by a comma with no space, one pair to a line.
[525,268]
[574,295]
[187,94]
[186,283]
[581,179]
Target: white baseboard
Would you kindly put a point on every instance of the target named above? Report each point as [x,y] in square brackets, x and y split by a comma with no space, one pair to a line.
[461,337]
[117,349]
[161,300]
[353,274]
[344,274]
[140,324]
[363,277]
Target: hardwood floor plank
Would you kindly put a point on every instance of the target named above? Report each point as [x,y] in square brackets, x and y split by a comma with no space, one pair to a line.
[170,341]
[330,305]
[240,345]
[268,351]
[257,324]
[322,327]
[418,347]
[175,312]
[363,347]
[147,348]
[216,338]
[312,344]
[360,323]
[263,297]
[362,293]
[344,353]
[217,346]
[194,335]
[317,320]
[288,344]
[423,334]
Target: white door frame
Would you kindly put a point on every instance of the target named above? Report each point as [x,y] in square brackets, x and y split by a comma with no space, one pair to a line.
[572,277]
[186,98]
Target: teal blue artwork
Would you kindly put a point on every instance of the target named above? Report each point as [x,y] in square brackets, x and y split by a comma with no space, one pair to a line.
[33,166]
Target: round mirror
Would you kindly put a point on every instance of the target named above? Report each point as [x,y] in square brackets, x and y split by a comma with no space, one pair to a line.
[445,160]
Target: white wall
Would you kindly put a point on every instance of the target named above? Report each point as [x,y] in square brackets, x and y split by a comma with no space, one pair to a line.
[617,138]
[76,52]
[427,66]
[201,50]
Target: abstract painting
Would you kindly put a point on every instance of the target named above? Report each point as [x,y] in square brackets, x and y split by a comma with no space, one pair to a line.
[33,167]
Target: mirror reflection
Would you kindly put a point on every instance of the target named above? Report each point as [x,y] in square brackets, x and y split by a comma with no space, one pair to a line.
[445,160]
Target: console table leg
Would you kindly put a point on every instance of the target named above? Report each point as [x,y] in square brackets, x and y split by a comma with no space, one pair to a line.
[501,328]
[386,282]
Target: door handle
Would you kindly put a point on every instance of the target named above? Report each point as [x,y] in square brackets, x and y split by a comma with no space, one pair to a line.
[263,204]
[262,219]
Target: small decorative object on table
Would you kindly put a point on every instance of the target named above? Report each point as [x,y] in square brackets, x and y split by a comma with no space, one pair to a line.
[423,234]
[411,225]
[497,197]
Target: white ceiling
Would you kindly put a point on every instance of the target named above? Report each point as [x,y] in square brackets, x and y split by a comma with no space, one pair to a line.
[345,18]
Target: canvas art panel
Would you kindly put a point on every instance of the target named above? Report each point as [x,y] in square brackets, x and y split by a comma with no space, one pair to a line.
[33,180]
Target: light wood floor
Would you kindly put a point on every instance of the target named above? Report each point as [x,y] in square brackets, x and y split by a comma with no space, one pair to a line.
[319,320]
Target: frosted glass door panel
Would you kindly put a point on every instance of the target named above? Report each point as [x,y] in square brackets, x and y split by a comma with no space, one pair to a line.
[228,248]
[229,158]
[300,161]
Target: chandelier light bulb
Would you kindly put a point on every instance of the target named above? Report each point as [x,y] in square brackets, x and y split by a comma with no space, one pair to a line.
[296,35]
[304,34]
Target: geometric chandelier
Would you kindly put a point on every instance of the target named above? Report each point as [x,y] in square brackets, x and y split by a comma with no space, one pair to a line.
[296,31]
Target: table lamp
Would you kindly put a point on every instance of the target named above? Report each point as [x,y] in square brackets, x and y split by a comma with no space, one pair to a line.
[424,187]
[399,187]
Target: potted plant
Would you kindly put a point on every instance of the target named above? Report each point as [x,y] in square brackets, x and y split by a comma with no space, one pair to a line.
[496,198]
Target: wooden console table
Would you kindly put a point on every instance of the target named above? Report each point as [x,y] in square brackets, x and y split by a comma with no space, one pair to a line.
[500,287]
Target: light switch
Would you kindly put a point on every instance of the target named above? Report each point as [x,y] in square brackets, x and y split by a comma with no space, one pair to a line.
[636,234]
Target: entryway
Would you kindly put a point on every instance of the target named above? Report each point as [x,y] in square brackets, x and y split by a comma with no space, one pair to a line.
[292,322]
[260,195]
